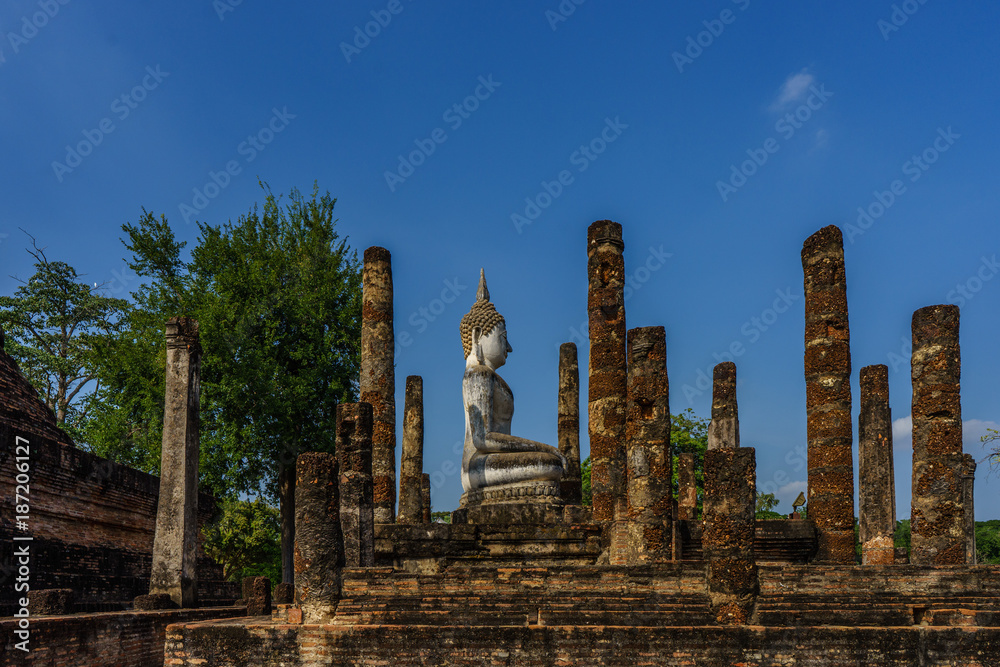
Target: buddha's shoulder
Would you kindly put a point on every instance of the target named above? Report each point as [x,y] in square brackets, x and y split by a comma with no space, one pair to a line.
[480,373]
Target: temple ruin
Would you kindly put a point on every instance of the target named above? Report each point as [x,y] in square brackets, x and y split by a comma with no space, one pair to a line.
[651,572]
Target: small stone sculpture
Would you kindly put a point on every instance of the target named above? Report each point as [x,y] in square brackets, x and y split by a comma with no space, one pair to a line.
[496,466]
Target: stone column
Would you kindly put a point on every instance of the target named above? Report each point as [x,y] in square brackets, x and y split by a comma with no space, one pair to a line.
[727,539]
[724,429]
[569,422]
[425,497]
[828,396]
[647,437]
[687,489]
[607,387]
[412,464]
[937,513]
[175,572]
[877,521]
[357,511]
[319,546]
[968,487]
[378,378]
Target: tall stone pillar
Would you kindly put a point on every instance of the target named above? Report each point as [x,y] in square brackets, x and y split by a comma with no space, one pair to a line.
[357,510]
[174,571]
[319,546]
[647,437]
[937,513]
[607,387]
[727,540]
[877,521]
[968,488]
[378,378]
[724,429]
[687,489]
[411,467]
[828,396]
[569,423]
[425,497]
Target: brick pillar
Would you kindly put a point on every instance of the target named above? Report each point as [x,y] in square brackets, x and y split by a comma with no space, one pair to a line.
[728,535]
[608,379]
[411,467]
[425,498]
[647,437]
[174,571]
[828,396]
[876,481]
[724,429]
[357,511]
[968,487]
[378,378]
[569,422]
[319,546]
[937,516]
[687,489]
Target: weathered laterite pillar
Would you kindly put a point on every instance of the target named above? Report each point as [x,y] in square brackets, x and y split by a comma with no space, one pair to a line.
[724,429]
[411,467]
[937,513]
[174,571]
[728,536]
[357,511]
[319,545]
[607,387]
[378,378]
[877,486]
[968,489]
[425,497]
[569,423]
[647,437]
[687,489]
[828,396]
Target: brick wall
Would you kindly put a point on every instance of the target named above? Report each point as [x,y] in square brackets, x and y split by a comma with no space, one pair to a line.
[241,645]
[91,520]
[122,639]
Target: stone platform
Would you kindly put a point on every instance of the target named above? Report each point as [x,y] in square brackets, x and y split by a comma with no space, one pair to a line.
[610,615]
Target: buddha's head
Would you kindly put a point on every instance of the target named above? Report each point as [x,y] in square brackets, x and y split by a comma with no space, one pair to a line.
[484,332]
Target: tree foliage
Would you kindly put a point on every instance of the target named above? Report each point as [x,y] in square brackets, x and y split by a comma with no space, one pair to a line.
[245,539]
[766,502]
[992,439]
[53,326]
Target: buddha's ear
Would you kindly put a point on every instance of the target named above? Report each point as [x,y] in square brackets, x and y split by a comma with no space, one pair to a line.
[477,349]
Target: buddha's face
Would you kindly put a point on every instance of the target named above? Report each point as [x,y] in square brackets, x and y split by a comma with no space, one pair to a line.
[495,347]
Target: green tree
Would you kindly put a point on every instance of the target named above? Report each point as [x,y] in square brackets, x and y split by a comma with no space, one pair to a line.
[766,502]
[988,542]
[992,438]
[278,299]
[246,540]
[585,491]
[53,324]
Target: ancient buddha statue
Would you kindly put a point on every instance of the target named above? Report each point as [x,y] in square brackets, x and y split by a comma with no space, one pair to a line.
[498,467]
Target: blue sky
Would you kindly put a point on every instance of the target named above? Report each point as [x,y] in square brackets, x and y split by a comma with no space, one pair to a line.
[719,134]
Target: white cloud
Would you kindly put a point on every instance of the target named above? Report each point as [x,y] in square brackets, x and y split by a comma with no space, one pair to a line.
[794,88]
[791,490]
